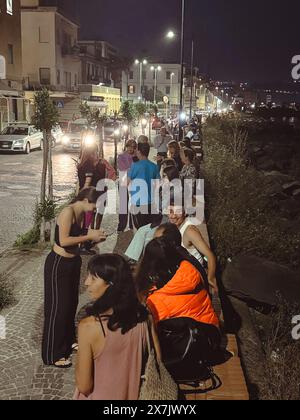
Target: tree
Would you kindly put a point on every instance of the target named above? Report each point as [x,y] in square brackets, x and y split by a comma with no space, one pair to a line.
[44,119]
[140,109]
[149,95]
[129,113]
[94,118]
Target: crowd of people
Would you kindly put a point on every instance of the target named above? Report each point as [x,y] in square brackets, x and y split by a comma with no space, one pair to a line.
[167,273]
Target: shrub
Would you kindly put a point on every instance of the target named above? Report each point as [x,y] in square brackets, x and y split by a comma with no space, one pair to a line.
[241,216]
[6,291]
[282,362]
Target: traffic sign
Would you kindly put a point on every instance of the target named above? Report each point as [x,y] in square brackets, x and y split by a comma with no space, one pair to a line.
[166,99]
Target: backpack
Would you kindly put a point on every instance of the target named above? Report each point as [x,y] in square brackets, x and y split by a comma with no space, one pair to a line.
[185,350]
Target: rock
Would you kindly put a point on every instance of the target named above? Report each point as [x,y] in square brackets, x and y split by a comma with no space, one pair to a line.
[296,194]
[290,207]
[254,279]
[291,187]
[266,164]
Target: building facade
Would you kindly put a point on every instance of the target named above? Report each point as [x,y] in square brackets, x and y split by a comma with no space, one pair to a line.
[53,38]
[13,107]
[95,59]
[138,83]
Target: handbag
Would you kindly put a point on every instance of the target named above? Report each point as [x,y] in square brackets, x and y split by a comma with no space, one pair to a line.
[157,383]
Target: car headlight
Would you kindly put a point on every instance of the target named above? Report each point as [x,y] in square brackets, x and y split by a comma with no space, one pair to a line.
[18,142]
[89,140]
[66,140]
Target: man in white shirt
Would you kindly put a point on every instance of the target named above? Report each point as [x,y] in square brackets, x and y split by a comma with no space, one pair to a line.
[161,144]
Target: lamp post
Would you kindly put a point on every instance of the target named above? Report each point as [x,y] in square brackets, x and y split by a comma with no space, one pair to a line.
[182,68]
[171,88]
[141,64]
[192,79]
[155,69]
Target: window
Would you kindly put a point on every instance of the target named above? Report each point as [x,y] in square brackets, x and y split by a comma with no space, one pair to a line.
[44,76]
[76,80]
[58,77]
[131,75]
[144,76]
[10,54]
[131,89]
[43,35]
[168,90]
[68,82]
[9,7]
[168,75]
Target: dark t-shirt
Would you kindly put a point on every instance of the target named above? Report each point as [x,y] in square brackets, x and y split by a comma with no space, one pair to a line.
[88,170]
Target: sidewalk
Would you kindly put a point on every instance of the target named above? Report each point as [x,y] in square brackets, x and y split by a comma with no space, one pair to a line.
[22,373]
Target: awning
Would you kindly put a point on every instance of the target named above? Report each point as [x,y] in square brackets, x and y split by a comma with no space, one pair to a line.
[96,104]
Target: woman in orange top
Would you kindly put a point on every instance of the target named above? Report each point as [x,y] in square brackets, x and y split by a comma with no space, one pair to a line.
[175,289]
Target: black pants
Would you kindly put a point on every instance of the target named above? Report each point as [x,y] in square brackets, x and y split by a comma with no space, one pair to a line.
[124,212]
[61,279]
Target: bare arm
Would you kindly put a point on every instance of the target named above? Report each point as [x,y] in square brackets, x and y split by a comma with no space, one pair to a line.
[65,220]
[193,236]
[85,362]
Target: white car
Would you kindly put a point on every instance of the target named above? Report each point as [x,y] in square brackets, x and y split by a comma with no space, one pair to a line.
[20,138]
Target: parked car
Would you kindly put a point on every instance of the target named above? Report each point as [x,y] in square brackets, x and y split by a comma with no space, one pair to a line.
[20,138]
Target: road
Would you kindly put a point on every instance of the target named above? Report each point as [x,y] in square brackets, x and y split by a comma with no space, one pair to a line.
[20,179]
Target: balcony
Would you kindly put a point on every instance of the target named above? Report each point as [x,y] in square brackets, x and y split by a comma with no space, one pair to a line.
[70,50]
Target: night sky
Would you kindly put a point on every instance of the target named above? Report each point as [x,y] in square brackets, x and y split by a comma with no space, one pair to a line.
[246,40]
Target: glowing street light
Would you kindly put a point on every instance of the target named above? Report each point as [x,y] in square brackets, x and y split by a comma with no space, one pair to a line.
[171,35]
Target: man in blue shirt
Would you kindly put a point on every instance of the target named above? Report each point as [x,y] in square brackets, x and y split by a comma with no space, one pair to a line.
[141,177]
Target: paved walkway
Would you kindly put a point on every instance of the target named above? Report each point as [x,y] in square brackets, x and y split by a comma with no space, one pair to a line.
[22,373]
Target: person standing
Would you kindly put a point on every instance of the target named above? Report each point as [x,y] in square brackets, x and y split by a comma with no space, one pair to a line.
[90,170]
[125,160]
[161,144]
[141,177]
[61,279]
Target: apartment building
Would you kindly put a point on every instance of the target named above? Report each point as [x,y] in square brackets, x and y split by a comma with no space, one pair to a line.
[53,38]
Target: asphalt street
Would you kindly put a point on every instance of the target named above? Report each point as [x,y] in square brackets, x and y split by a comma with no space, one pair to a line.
[20,179]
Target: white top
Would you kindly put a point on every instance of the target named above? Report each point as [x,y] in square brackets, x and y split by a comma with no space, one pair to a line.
[161,143]
[192,250]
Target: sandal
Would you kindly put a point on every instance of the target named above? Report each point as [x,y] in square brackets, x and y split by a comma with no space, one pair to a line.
[63,363]
[75,347]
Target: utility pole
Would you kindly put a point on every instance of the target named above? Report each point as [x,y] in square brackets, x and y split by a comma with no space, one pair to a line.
[192,79]
[182,69]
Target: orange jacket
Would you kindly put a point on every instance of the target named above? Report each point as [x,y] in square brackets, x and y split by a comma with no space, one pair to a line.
[176,299]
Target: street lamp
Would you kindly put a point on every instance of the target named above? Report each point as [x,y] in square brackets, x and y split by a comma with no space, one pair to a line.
[155,69]
[171,88]
[171,35]
[141,63]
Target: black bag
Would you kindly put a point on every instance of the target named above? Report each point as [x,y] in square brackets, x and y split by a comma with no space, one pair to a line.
[186,349]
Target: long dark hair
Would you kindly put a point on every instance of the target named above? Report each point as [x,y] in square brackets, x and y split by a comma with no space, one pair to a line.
[159,264]
[90,193]
[89,155]
[121,296]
